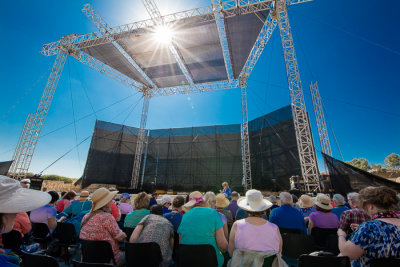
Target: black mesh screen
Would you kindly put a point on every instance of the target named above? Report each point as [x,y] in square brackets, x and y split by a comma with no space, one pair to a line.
[346,178]
[196,158]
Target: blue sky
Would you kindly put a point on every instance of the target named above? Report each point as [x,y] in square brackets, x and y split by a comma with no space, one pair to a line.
[351,47]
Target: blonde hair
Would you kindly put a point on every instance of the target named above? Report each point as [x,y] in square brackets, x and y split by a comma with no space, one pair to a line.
[225,184]
[142,201]
[210,198]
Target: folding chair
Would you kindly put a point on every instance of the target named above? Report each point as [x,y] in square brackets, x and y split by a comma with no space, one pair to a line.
[197,256]
[326,239]
[66,236]
[290,231]
[386,262]
[35,260]
[143,254]
[88,264]
[97,252]
[324,260]
[40,234]
[295,245]
[13,241]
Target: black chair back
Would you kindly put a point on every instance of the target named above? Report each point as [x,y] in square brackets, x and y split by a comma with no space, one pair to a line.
[143,254]
[324,260]
[295,245]
[35,260]
[12,240]
[326,239]
[40,230]
[88,264]
[197,256]
[128,231]
[290,231]
[66,233]
[386,262]
[97,251]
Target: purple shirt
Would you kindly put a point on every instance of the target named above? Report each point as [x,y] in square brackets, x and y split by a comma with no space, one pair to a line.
[125,208]
[233,207]
[41,215]
[223,218]
[324,220]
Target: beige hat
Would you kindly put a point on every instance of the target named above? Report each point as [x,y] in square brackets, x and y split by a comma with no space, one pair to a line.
[305,202]
[15,199]
[253,201]
[83,195]
[194,198]
[323,201]
[102,197]
[221,201]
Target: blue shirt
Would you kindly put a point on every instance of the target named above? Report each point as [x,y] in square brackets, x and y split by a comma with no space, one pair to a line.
[227,191]
[152,202]
[77,207]
[339,210]
[288,217]
[175,218]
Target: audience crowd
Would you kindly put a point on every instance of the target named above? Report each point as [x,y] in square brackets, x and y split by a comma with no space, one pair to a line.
[366,224]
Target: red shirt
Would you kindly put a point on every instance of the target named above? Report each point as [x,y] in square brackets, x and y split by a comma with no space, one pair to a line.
[114,210]
[22,223]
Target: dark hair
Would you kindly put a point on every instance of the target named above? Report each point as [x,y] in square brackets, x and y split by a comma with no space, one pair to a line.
[70,195]
[255,213]
[383,197]
[156,209]
[1,221]
[178,202]
[63,194]
[321,209]
[295,198]
[54,196]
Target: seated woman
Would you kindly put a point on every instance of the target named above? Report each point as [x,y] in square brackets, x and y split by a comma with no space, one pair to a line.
[63,203]
[322,217]
[46,214]
[211,200]
[306,205]
[202,225]
[155,228]
[99,224]
[378,238]
[254,233]
[175,216]
[125,204]
[82,204]
[140,205]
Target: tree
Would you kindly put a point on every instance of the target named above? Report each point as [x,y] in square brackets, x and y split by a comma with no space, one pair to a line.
[378,167]
[360,163]
[393,161]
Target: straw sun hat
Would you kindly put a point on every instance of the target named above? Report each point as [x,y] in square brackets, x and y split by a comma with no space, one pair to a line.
[84,195]
[323,201]
[102,197]
[221,201]
[305,202]
[15,199]
[253,202]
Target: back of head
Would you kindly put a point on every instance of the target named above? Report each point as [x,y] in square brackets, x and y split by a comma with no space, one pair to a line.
[338,199]
[142,201]
[156,209]
[353,196]
[178,202]
[210,198]
[70,195]
[235,195]
[382,197]
[286,198]
[295,198]
[272,199]
[54,196]
[166,200]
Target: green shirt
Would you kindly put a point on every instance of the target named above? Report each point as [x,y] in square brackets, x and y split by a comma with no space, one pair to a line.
[133,218]
[198,227]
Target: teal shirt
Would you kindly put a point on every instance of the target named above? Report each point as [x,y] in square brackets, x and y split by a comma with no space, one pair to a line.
[198,227]
[77,207]
[133,218]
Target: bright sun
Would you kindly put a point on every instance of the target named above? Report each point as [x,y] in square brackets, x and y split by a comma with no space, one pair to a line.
[163,34]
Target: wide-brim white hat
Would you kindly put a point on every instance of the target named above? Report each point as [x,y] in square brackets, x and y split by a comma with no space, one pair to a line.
[15,199]
[254,202]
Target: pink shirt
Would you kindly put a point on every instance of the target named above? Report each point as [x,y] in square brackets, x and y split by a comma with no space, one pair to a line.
[62,204]
[257,237]
[102,226]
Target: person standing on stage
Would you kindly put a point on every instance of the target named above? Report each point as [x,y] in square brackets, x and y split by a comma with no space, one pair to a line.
[226,190]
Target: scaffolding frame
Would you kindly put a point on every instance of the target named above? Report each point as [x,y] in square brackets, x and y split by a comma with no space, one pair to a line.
[217,11]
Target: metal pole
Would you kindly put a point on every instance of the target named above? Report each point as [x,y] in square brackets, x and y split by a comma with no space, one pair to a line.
[245,136]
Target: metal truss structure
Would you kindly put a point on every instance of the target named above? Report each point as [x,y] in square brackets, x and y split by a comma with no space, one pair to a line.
[34,123]
[320,118]
[218,11]
[305,144]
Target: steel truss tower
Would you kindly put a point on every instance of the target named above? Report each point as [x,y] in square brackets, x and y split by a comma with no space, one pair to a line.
[218,11]
[305,144]
[320,118]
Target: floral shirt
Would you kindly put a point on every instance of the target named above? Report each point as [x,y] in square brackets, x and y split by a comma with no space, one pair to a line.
[102,226]
[378,239]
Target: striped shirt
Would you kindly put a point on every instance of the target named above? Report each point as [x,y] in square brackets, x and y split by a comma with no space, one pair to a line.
[133,218]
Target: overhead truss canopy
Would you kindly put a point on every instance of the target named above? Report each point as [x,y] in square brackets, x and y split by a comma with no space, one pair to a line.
[213,43]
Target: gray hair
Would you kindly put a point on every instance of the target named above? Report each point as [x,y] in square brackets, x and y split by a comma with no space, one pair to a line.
[286,198]
[353,196]
[210,198]
[338,198]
